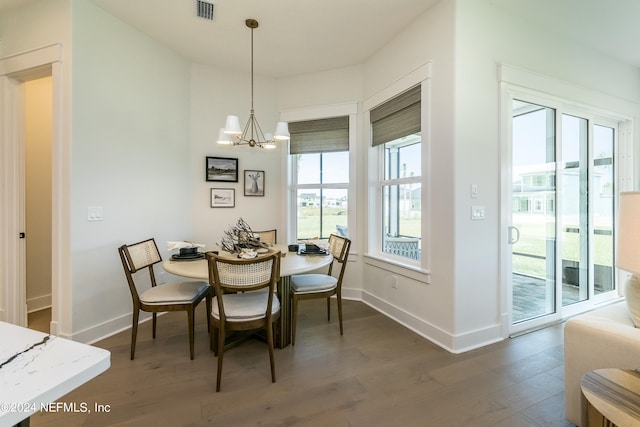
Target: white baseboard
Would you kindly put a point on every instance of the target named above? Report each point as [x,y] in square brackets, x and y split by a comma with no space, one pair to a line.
[452,343]
[106,329]
[353,294]
[38,303]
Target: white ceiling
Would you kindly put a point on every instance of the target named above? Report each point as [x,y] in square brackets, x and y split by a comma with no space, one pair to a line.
[294,36]
[301,36]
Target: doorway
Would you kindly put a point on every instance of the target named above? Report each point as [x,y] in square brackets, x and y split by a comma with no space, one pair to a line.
[38,116]
[15,72]
[562,210]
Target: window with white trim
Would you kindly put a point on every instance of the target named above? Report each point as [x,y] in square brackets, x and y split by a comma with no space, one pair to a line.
[396,134]
[319,152]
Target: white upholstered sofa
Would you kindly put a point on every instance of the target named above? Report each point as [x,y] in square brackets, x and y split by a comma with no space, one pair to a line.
[602,338]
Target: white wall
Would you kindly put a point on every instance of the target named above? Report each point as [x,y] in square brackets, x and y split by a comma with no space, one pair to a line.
[36,25]
[130,155]
[427,308]
[216,93]
[332,87]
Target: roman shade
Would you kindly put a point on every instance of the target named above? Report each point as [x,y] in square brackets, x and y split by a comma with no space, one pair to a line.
[319,136]
[398,117]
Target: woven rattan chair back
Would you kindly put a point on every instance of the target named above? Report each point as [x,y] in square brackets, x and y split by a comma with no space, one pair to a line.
[339,247]
[270,237]
[136,257]
[142,254]
[234,275]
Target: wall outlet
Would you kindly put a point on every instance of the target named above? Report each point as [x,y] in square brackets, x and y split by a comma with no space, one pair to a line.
[394,282]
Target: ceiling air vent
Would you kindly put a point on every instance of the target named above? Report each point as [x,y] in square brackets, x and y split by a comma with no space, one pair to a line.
[205,10]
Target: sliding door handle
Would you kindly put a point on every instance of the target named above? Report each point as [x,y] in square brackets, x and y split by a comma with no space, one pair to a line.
[514,235]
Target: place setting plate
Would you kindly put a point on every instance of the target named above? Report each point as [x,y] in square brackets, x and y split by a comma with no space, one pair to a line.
[187,257]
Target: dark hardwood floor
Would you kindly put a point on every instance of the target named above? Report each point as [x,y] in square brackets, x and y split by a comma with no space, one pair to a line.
[378,374]
[39,320]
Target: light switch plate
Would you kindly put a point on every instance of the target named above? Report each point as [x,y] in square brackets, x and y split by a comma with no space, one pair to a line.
[94,213]
[477,212]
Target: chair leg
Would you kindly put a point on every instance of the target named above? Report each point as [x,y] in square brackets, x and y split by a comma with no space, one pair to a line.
[339,299]
[328,309]
[154,325]
[134,331]
[274,331]
[208,303]
[191,320]
[221,338]
[213,341]
[269,330]
[294,318]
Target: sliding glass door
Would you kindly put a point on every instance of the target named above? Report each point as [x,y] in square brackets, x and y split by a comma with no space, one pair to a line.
[533,229]
[603,208]
[562,211]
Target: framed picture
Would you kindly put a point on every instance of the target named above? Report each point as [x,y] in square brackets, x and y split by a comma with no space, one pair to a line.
[223,198]
[253,183]
[222,169]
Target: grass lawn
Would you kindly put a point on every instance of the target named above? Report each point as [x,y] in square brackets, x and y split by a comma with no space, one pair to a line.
[309,222]
[533,241]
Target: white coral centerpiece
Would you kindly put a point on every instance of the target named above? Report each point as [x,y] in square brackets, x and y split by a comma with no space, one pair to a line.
[240,237]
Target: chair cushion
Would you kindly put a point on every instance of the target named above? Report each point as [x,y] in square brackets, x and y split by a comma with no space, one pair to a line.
[174,293]
[306,283]
[246,306]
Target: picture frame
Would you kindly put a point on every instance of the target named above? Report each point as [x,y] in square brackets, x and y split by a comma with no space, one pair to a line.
[253,183]
[223,198]
[221,169]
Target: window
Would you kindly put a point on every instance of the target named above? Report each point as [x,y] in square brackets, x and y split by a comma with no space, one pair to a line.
[319,154]
[396,134]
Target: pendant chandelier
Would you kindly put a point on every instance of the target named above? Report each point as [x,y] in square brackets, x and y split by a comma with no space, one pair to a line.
[251,135]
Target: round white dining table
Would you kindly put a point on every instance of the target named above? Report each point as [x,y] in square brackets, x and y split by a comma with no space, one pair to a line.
[290,263]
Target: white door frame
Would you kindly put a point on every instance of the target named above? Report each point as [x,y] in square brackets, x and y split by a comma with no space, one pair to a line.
[514,81]
[14,71]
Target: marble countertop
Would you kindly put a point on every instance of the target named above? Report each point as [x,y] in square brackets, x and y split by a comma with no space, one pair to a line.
[37,368]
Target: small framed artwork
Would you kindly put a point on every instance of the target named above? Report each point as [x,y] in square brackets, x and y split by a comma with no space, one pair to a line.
[223,198]
[253,183]
[223,169]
